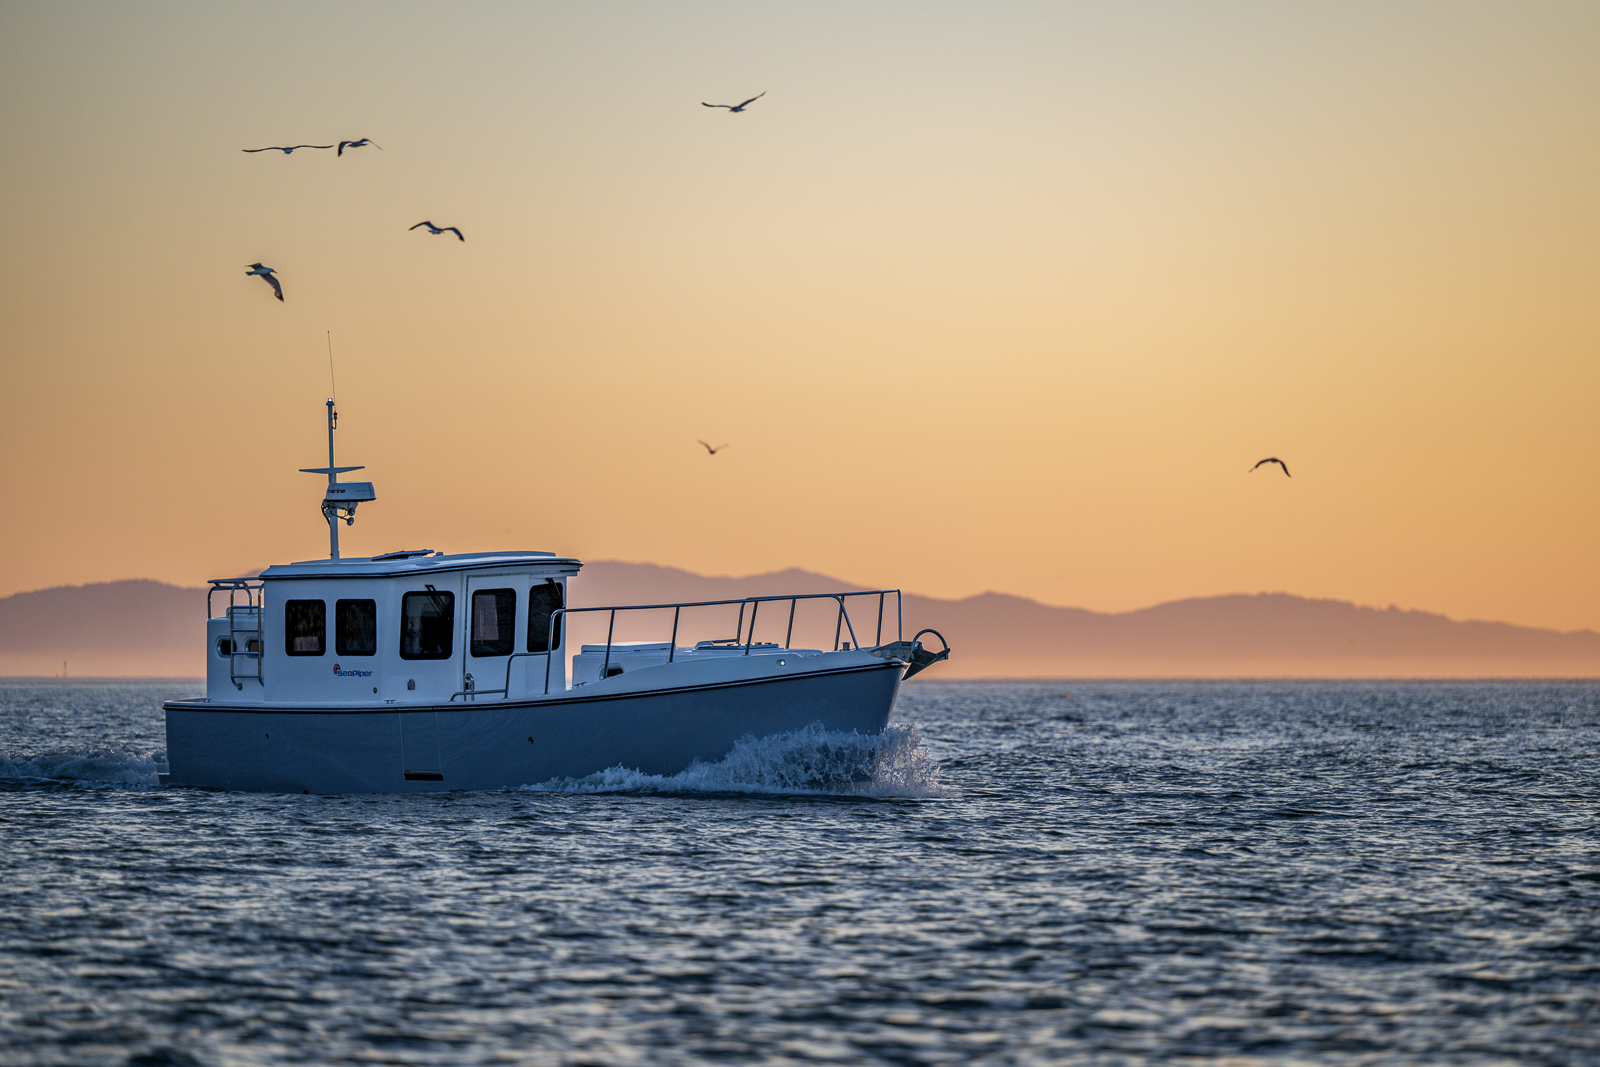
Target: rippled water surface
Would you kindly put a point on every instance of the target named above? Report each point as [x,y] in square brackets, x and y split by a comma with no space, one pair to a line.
[1095,873]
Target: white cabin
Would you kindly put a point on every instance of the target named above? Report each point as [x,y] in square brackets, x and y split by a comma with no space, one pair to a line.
[414,627]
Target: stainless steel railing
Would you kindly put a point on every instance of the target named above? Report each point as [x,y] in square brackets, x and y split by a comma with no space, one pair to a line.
[842,623]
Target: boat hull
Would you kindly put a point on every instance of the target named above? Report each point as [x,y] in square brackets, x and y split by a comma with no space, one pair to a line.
[501,744]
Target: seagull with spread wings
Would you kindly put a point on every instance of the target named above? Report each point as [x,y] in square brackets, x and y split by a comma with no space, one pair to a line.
[711,450]
[266,275]
[1279,462]
[736,108]
[436,230]
[357,144]
[285,150]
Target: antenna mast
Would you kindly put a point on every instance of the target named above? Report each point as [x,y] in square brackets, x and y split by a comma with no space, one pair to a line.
[340,496]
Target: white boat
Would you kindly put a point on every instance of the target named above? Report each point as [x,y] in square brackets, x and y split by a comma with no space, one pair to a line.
[416,671]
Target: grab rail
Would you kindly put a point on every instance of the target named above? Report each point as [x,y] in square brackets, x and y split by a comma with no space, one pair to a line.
[474,692]
[233,587]
[841,623]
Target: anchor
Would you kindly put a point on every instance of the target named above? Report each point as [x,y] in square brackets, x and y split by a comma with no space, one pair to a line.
[913,653]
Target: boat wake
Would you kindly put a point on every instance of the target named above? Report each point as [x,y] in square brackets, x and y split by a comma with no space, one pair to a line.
[809,761]
[98,769]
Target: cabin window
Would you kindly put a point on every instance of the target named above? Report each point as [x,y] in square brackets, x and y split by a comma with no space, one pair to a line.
[355,627]
[543,600]
[305,627]
[494,620]
[427,622]
[224,647]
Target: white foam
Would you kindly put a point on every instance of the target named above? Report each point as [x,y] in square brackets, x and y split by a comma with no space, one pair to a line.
[95,769]
[809,761]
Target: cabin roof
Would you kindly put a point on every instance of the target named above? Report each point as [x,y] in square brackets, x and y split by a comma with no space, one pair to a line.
[418,561]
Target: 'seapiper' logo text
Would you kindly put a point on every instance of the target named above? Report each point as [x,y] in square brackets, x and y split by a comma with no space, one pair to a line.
[337,673]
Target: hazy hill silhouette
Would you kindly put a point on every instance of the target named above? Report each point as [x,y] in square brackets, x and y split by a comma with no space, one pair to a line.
[143,628]
[122,629]
[1264,635]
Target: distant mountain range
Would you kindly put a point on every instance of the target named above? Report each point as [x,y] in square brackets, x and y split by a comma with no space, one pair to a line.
[1267,635]
[149,629]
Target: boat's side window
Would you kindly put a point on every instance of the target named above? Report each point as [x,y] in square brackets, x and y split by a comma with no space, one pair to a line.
[543,600]
[305,627]
[355,627]
[494,620]
[427,621]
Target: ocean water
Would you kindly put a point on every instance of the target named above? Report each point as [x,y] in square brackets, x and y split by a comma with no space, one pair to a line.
[1095,873]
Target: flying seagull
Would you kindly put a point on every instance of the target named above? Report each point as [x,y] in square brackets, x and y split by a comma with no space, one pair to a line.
[708,448]
[285,151]
[1279,462]
[736,108]
[436,230]
[266,276]
[358,144]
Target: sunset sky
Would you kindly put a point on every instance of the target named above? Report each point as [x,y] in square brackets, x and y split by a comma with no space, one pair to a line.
[982,296]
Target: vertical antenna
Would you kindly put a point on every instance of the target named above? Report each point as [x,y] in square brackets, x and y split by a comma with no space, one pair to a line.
[332,387]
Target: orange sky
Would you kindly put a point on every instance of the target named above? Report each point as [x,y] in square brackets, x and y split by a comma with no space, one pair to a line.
[983,296]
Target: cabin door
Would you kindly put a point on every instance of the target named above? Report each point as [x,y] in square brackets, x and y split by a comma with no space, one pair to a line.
[491,624]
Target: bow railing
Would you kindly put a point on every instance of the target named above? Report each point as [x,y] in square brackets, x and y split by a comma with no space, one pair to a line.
[842,623]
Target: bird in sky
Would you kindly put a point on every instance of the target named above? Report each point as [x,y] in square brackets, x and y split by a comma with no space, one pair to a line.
[285,150]
[1279,462]
[736,108]
[358,144]
[708,448]
[436,230]
[266,276]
